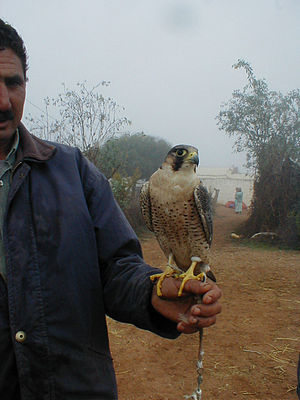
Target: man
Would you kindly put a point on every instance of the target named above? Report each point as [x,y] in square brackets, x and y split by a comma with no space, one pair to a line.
[68,257]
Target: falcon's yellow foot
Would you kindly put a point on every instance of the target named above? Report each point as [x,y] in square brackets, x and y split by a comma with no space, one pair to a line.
[167,273]
[189,274]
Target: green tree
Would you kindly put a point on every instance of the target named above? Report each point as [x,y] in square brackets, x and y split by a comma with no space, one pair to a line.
[266,125]
[126,159]
[128,154]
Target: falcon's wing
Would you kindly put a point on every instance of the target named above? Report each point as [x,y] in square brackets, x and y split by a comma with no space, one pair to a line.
[203,204]
[145,205]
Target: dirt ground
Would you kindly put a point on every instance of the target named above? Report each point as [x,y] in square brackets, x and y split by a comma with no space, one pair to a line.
[251,352]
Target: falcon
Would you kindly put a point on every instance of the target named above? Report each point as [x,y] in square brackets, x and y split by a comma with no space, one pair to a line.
[176,207]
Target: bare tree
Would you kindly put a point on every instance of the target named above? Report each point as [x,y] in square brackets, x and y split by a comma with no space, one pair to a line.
[81,118]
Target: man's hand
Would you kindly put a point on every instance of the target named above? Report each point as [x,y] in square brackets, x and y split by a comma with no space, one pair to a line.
[184,310]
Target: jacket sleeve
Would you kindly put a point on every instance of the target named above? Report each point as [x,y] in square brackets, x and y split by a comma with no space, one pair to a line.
[125,276]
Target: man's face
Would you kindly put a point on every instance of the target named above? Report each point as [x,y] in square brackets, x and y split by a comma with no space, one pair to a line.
[12,95]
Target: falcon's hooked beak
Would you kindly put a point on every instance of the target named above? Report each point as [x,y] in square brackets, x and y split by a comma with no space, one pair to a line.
[193,158]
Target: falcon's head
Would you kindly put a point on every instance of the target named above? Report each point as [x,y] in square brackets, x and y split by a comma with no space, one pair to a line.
[182,156]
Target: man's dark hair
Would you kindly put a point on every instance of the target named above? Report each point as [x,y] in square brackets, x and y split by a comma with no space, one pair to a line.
[10,39]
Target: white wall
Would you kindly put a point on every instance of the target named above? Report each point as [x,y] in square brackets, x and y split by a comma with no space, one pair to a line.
[223,179]
[227,188]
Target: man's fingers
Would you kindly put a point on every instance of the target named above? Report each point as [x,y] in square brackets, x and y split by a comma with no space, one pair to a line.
[196,287]
[208,289]
[195,315]
[206,317]
[204,310]
[200,316]
[212,296]
[206,322]
[194,327]
[186,328]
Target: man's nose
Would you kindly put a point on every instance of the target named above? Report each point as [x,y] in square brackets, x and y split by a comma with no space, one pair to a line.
[4,98]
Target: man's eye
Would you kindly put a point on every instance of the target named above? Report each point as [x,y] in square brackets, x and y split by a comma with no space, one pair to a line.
[14,82]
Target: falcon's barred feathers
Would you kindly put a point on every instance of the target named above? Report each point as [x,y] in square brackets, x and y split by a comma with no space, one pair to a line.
[176,207]
[203,204]
[146,206]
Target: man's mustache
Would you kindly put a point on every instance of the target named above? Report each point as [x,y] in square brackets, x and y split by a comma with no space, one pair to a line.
[6,115]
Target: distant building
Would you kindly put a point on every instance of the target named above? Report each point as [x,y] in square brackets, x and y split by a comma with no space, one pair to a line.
[226,180]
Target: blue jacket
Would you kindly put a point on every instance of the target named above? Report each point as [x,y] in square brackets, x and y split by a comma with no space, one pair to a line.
[71,259]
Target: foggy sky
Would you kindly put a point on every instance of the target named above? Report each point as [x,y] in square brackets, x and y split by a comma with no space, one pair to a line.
[169,61]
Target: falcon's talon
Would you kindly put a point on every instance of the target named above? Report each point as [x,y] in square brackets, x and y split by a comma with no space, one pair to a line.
[201,277]
[189,274]
[154,277]
[160,278]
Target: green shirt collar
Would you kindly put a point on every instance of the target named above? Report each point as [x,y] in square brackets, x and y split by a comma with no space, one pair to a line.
[11,156]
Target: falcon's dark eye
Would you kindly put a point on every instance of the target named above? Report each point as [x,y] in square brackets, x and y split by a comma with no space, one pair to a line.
[180,152]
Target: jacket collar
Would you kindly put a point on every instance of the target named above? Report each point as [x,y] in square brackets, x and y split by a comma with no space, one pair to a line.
[33,148]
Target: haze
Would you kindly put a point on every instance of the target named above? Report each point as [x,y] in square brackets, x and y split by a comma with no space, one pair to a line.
[169,62]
